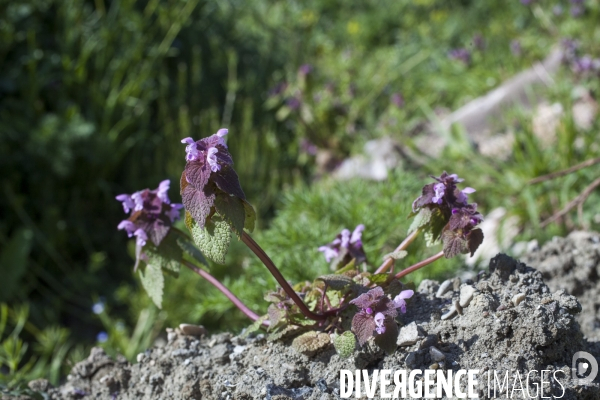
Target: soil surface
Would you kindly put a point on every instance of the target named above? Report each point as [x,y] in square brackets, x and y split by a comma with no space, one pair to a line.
[515,317]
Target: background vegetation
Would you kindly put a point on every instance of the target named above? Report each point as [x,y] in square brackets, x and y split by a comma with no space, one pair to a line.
[96,95]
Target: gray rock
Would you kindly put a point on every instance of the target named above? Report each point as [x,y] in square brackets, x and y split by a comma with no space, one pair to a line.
[436,355]
[409,335]
[466,295]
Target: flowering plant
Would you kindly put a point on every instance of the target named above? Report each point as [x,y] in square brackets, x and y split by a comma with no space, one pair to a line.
[347,307]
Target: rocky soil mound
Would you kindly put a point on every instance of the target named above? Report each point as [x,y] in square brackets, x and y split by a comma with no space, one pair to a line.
[511,318]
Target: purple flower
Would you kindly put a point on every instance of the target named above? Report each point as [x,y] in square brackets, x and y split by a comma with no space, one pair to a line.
[208,173]
[582,64]
[346,245]
[305,69]
[379,323]
[152,215]
[439,189]
[374,307]
[308,147]
[397,100]
[400,300]
[455,219]
[127,202]
[461,197]
[515,47]
[460,54]
[577,10]
[293,103]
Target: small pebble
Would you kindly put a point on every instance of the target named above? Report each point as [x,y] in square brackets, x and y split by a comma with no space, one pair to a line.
[518,298]
[444,287]
[192,330]
[466,295]
[451,313]
[434,366]
[171,336]
[436,355]
[140,357]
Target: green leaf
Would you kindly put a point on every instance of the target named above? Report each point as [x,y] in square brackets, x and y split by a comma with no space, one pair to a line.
[232,210]
[13,262]
[213,240]
[167,255]
[351,266]
[191,250]
[153,281]
[254,327]
[336,282]
[250,216]
[285,332]
[379,278]
[421,219]
[436,224]
[345,344]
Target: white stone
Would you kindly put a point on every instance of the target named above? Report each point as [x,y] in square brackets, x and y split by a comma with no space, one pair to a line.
[444,287]
[518,298]
[466,295]
[409,335]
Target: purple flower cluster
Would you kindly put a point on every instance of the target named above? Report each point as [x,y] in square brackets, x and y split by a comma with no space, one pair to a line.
[377,312]
[346,245]
[458,215]
[151,214]
[461,55]
[208,173]
[397,100]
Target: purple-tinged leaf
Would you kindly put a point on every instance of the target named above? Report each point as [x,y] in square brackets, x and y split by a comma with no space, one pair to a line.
[368,299]
[460,219]
[227,180]
[454,243]
[197,174]
[426,197]
[276,315]
[475,238]
[363,325]
[159,231]
[197,203]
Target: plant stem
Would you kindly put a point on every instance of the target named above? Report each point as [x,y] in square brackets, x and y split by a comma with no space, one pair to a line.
[418,265]
[402,246]
[260,253]
[237,302]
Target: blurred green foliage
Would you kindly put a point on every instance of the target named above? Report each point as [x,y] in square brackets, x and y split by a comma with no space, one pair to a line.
[96,95]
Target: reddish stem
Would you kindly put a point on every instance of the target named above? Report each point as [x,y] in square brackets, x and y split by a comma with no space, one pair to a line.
[237,302]
[260,253]
[402,246]
[418,265]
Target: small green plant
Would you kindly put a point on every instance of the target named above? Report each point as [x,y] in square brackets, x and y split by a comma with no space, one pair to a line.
[350,299]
